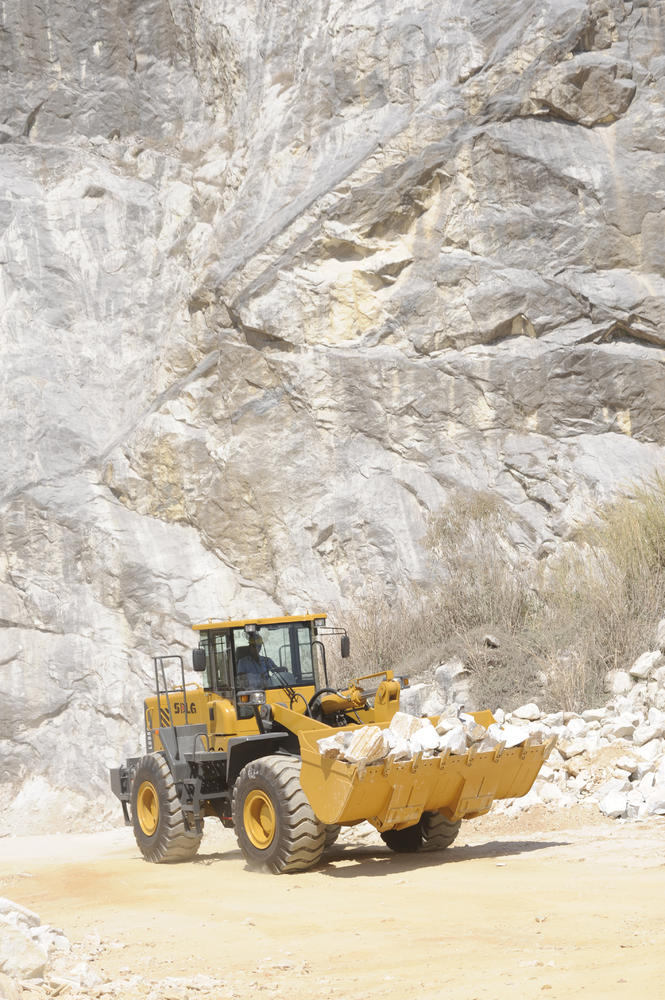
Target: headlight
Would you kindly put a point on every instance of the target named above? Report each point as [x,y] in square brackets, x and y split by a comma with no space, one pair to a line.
[252,697]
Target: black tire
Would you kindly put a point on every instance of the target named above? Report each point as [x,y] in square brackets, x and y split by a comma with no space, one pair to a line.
[331,835]
[438,832]
[274,823]
[159,823]
[405,841]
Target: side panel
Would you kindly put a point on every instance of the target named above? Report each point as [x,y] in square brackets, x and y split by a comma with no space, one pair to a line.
[243,749]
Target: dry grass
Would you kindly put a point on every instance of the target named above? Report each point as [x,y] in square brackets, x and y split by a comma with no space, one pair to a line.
[593,610]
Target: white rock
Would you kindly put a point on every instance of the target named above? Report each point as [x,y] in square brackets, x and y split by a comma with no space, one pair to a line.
[530,712]
[643,767]
[447,722]
[646,783]
[367,744]
[628,764]
[488,743]
[335,745]
[572,748]
[499,716]
[405,725]
[656,717]
[20,956]
[595,715]
[474,731]
[512,735]
[614,804]
[658,675]
[553,720]
[655,801]
[652,750]
[455,741]
[433,704]
[619,728]
[645,663]
[412,698]
[399,748]
[52,939]
[576,727]
[447,677]
[425,739]
[9,989]
[618,681]
[634,803]
[16,914]
[646,733]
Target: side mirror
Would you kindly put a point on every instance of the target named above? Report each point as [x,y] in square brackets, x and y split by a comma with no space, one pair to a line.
[199,659]
[345,647]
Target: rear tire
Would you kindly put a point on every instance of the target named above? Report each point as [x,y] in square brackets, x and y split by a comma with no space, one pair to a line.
[159,823]
[438,832]
[274,822]
[405,841]
[332,833]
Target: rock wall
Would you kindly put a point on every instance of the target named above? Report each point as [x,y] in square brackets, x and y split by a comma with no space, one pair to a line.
[274,279]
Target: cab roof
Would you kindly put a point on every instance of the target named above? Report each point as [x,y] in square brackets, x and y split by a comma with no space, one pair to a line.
[240,622]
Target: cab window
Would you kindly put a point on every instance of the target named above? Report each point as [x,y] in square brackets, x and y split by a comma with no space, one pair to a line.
[284,653]
[219,664]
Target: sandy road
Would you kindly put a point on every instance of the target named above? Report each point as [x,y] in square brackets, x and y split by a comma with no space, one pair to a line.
[513,909]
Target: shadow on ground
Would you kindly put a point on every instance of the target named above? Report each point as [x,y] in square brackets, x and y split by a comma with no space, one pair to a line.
[377,860]
[369,860]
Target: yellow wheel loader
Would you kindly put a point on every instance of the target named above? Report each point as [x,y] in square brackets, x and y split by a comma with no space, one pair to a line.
[244,747]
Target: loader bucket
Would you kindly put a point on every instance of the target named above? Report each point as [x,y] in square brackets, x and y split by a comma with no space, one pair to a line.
[392,795]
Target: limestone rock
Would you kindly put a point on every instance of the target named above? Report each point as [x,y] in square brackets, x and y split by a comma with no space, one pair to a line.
[18,915]
[412,699]
[20,956]
[9,990]
[618,682]
[591,88]
[645,664]
[655,801]
[621,727]
[529,712]
[366,745]
[454,740]
[413,247]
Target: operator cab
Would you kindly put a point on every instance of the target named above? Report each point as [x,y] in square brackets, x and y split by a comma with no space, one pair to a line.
[268,655]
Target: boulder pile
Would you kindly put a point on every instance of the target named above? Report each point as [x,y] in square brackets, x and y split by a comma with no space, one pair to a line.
[612,756]
[408,736]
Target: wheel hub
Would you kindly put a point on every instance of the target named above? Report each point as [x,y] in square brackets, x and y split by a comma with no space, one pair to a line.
[147,807]
[259,818]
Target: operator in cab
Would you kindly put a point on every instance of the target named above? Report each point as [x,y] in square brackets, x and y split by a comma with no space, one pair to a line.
[254,668]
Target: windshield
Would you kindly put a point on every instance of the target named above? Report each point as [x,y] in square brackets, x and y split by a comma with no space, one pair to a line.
[274,655]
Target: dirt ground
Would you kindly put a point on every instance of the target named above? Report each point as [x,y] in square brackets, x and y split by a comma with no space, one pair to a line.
[546,905]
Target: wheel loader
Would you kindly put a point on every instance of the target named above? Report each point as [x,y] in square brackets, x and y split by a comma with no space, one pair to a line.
[243,746]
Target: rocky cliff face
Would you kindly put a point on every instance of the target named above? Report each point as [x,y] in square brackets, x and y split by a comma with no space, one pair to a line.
[275,277]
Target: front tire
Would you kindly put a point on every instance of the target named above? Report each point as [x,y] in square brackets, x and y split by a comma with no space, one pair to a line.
[438,832]
[274,822]
[159,823]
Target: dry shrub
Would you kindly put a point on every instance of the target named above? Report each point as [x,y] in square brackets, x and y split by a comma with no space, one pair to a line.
[594,610]
[603,599]
[481,582]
